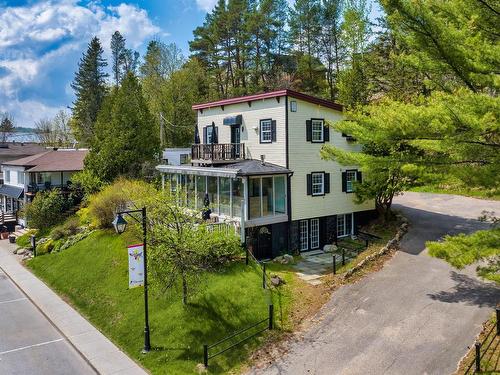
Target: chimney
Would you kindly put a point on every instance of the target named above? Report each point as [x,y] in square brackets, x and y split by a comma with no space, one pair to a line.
[263,159]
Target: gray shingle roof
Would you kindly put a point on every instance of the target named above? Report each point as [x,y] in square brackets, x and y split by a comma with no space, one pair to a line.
[251,167]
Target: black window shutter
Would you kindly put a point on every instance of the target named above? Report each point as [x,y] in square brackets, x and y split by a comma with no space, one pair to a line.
[273,130]
[308,130]
[260,131]
[327,183]
[205,135]
[326,133]
[344,181]
[309,184]
[359,177]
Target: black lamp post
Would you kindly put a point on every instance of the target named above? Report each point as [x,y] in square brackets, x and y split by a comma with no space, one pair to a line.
[120,225]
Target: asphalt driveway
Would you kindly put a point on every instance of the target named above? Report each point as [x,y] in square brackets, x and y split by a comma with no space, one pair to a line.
[417,315]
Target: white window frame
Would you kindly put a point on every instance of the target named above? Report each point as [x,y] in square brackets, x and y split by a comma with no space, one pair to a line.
[315,233]
[317,132]
[350,177]
[344,225]
[6,176]
[293,106]
[264,133]
[321,184]
[20,177]
[304,235]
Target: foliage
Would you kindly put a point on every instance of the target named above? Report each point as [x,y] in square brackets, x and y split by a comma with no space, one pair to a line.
[6,127]
[87,181]
[118,196]
[45,246]
[24,240]
[124,60]
[462,250]
[90,89]
[69,228]
[45,210]
[126,137]
[55,132]
[181,246]
[93,275]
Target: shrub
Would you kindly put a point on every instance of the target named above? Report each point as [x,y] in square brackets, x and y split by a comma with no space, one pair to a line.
[45,210]
[44,246]
[24,241]
[88,182]
[118,196]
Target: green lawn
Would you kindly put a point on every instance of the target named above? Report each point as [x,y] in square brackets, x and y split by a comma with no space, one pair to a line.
[93,276]
[450,185]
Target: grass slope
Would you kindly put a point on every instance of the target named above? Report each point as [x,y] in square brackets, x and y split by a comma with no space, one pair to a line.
[93,275]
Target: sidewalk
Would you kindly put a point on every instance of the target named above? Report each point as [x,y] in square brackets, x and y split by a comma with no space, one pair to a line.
[100,352]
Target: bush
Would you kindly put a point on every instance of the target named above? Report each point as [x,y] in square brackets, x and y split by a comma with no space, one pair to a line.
[88,182]
[24,241]
[118,196]
[46,209]
[44,246]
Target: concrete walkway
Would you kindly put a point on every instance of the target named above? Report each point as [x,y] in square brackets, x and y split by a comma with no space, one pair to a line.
[417,315]
[314,266]
[100,353]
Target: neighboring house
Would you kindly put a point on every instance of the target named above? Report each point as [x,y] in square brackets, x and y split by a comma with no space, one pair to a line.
[177,156]
[24,177]
[16,150]
[258,162]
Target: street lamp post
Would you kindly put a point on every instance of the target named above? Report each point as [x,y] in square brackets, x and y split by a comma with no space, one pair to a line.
[120,225]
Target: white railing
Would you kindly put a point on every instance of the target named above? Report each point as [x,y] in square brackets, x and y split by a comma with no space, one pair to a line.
[228,227]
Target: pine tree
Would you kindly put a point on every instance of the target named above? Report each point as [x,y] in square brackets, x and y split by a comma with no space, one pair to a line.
[117,55]
[90,89]
[6,127]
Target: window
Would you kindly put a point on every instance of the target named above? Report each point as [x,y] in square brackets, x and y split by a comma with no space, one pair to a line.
[210,133]
[344,225]
[184,158]
[267,196]
[7,176]
[293,106]
[237,196]
[318,183]
[225,196]
[20,177]
[254,198]
[317,130]
[314,233]
[279,195]
[350,178]
[266,131]
[304,235]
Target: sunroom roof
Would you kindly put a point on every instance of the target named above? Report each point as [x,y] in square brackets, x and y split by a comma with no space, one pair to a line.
[242,168]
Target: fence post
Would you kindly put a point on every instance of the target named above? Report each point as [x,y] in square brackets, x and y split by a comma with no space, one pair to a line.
[246,255]
[478,356]
[334,264]
[343,256]
[205,355]
[366,243]
[498,321]
[264,275]
[271,315]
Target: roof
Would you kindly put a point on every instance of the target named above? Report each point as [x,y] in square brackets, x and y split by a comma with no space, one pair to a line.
[272,94]
[11,191]
[20,149]
[248,167]
[52,161]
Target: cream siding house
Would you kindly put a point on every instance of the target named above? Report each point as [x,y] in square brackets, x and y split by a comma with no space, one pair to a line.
[268,145]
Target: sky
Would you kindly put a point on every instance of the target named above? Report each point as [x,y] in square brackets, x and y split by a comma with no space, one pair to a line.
[42,41]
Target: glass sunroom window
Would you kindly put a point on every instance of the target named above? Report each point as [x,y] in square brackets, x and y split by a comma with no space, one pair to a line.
[225,196]
[201,182]
[212,194]
[267,196]
[279,195]
[254,198]
[237,196]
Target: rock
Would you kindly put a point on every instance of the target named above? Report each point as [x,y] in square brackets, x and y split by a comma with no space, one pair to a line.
[287,259]
[327,248]
[201,369]
[278,259]
[20,251]
[276,280]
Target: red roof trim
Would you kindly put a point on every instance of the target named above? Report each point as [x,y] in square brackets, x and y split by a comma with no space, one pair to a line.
[272,94]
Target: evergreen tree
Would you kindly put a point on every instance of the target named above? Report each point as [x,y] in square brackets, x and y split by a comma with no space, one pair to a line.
[6,127]
[126,138]
[90,89]
[117,55]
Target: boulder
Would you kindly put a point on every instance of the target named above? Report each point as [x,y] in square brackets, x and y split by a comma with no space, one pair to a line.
[276,280]
[278,259]
[287,258]
[20,251]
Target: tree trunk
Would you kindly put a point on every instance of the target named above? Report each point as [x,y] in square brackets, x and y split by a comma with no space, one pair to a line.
[184,290]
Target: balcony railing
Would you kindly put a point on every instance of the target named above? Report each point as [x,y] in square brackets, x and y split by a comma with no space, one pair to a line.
[217,152]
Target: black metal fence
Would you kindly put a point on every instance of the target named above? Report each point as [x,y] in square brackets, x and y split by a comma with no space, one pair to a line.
[485,352]
[347,251]
[220,348]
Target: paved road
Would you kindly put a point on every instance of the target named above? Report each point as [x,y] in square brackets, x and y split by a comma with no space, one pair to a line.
[415,316]
[29,343]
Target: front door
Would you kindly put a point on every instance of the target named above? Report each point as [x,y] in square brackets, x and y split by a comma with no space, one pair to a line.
[235,140]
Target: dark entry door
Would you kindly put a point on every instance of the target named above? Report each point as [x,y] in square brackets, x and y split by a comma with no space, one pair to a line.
[264,243]
[235,140]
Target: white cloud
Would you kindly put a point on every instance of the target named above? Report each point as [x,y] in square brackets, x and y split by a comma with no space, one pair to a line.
[42,39]
[206,5]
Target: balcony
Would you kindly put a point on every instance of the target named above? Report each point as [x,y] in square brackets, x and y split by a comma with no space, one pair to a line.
[217,153]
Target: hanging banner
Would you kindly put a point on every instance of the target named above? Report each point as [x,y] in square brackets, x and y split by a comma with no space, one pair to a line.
[135,265]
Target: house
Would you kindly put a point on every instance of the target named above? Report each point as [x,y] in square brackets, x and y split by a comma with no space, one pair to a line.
[256,160]
[176,156]
[24,177]
[16,150]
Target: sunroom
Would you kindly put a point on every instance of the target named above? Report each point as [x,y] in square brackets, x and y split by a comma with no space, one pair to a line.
[250,189]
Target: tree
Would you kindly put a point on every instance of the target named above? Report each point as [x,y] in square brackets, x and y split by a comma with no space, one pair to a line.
[45,210]
[181,246]
[6,127]
[90,89]
[117,55]
[125,134]
[55,132]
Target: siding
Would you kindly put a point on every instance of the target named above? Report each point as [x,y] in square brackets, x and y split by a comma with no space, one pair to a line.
[262,109]
[304,158]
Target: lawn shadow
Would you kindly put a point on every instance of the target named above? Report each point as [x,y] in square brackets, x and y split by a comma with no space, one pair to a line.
[470,291]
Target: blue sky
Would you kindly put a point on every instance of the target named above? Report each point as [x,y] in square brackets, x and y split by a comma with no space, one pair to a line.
[42,41]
